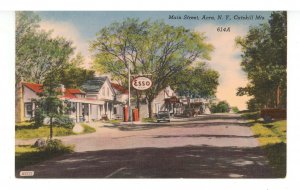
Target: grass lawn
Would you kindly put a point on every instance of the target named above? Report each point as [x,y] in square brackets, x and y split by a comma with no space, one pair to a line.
[29,132]
[26,130]
[114,121]
[149,120]
[87,129]
[272,138]
[27,155]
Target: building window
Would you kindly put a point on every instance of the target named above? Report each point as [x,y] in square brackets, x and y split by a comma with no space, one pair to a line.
[28,110]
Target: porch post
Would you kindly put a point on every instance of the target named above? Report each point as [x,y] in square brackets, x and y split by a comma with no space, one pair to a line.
[89,113]
[98,112]
[106,108]
[111,108]
[77,112]
[33,109]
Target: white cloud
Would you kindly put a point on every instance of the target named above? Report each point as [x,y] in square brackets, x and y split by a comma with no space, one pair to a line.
[226,62]
[70,32]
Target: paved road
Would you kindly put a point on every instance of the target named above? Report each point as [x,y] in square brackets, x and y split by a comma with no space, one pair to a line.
[218,146]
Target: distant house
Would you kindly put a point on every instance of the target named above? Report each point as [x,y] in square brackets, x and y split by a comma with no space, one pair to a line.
[166,100]
[28,92]
[98,100]
[122,99]
[113,96]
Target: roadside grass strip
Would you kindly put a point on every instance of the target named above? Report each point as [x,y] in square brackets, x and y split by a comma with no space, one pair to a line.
[270,133]
[87,129]
[26,130]
[272,138]
[26,155]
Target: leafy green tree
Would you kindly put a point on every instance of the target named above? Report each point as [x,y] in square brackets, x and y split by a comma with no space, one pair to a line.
[253,105]
[198,81]
[49,104]
[264,61]
[221,107]
[73,76]
[26,28]
[146,47]
[235,109]
[36,52]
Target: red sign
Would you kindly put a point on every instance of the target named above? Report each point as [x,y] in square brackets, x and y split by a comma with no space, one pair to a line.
[141,83]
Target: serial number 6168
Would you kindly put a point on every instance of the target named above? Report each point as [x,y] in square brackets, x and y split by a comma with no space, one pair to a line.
[223,29]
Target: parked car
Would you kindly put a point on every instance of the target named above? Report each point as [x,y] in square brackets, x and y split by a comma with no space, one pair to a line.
[189,112]
[269,114]
[163,116]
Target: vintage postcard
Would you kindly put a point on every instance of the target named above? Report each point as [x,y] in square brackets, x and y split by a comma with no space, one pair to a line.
[150,94]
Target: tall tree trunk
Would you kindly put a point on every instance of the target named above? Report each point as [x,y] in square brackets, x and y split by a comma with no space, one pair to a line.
[277,96]
[138,101]
[51,129]
[150,108]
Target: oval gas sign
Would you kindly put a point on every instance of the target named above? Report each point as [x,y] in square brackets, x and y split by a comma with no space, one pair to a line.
[141,83]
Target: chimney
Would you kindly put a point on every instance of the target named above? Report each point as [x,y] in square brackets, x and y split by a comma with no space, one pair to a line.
[19,102]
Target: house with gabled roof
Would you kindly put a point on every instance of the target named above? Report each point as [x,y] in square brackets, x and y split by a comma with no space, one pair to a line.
[28,92]
[97,99]
[100,89]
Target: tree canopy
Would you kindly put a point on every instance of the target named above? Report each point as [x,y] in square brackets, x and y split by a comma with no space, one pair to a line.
[38,54]
[198,81]
[154,48]
[264,61]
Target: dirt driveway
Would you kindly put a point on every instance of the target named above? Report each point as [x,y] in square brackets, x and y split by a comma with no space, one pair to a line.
[217,146]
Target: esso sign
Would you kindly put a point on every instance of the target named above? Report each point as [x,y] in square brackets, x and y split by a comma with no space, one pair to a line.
[141,83]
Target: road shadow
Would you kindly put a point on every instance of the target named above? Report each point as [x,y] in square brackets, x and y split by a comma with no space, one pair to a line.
[205,136]
[199,124]
[188,123]
[176,162]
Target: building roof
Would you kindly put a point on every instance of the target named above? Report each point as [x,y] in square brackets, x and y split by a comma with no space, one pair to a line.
[68,93]
[38,88]
[94,85]
[119,88]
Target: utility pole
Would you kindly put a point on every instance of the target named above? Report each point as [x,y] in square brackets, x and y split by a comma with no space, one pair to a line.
[129,84]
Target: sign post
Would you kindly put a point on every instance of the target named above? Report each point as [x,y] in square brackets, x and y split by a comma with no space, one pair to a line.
[139,83]
[129,84]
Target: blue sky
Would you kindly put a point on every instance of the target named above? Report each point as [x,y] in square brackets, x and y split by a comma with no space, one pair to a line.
[90,22]
[82,26]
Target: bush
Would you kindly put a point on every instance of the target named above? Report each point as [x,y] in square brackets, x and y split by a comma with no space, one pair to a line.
[64,121]
[221,107]
[56,146]
[235,109]
[253,105]
[251,115]
[38,118]
[87,128]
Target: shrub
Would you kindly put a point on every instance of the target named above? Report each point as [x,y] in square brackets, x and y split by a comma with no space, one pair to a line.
[56,146]
[38,118]
[64,121]
[87,128]
[221,107]
[235,109]
[251,115]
